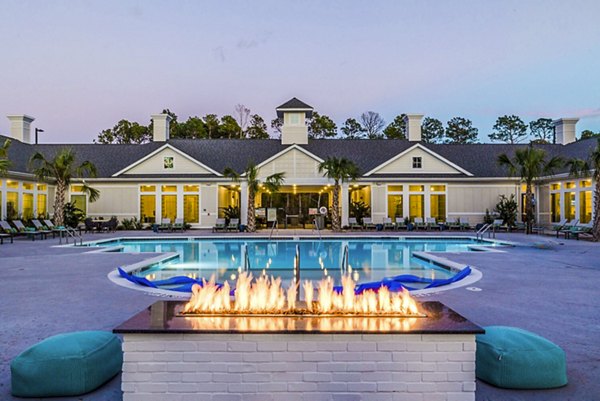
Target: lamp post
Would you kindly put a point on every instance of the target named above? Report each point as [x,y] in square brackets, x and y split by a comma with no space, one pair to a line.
[36,134]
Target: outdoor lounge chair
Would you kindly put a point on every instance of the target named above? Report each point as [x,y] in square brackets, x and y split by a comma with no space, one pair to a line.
[354,224]
[29,231]
[55,229]
[419,223]
[40,227]
[577,230]
[431,222]
[5,235]
[559,226]
[368,223]
[452,223]
[401,223]
[220,225]
[7,229]
[234,225]
[165,225]
[179,225]
[387,223]
[567,226]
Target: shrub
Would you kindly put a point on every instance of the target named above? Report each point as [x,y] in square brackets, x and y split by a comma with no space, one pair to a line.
[507,209]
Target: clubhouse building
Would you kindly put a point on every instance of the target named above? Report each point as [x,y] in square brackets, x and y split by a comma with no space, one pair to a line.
[183,178]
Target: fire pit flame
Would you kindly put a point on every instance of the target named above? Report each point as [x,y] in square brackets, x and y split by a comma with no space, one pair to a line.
[265,295]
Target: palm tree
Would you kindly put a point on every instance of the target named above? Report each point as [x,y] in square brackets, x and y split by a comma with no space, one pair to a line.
[62,168]
[529,164]
[4,162]
[250,174]
[586,168]
[339,170]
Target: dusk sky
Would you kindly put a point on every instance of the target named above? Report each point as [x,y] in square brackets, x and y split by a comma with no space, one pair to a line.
[80,66]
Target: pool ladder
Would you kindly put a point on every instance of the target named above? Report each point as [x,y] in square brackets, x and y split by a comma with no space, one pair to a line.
[71,232]
[484,229]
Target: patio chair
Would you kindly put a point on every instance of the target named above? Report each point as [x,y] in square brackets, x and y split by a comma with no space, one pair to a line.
[401,223]
[576,231]
[498,225]
[559,226]
[234,225]
[464,223]
[29,231]
[110,225]
[567,226]
[40,227]
[55,229]
[179,225]
[368,223]
[419,223]
[5,235]
[90,226]
[387,223]
[452,223]
[431,222]
[165,225]
[220,225]
[354,224]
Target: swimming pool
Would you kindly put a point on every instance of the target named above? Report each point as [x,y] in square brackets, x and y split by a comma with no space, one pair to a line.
[369,259]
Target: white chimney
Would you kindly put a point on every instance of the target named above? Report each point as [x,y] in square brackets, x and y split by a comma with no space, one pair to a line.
[160,130]
[564,130]
[20,127]
[413,127]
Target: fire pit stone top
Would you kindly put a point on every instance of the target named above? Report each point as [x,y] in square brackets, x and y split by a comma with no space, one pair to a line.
[165,317]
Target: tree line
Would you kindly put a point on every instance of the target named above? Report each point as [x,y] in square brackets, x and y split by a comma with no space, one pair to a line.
[244,124]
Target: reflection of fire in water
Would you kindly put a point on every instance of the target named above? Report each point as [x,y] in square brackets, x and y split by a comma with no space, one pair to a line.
[266,296]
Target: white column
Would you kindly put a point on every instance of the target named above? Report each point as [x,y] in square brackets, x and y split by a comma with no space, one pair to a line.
[345,203]
[244,203]
[180,201]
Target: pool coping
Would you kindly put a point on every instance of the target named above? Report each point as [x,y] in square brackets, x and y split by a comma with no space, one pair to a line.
[433,257]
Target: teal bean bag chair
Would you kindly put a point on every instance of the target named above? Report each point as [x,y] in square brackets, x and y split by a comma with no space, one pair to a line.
[509,357]
[66,364]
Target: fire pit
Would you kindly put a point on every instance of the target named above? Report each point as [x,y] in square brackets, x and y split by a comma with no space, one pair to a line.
[264,344]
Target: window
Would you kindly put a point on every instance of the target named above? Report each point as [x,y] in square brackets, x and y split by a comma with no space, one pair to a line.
[148,208]
[191,208]
[27,206]
[168,162]
[12,204]
[417,162]
[438,206]
[294,118]
[12,184]
[438,188]
[41,187]
[555,187]
[395,206]
[169,188]
[585,183]
[395,188]
[555,207]
[148,188]
[191,188]
[27,186]
[79,201]
[570,185]
[169,207]
[585,206]
[76,188]
[416,206]
[570,205]
[416,188]
[41,205]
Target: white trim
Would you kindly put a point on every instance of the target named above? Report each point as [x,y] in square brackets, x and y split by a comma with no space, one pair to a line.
[284,151]
[157,151]
[431,152]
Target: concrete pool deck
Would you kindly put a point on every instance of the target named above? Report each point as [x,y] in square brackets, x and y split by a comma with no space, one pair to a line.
[46,290]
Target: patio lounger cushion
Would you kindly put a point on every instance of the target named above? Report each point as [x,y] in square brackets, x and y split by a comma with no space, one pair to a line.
[66,364]
[509,357]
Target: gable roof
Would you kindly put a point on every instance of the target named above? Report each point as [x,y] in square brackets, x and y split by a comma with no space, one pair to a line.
[294,103]
[217,154]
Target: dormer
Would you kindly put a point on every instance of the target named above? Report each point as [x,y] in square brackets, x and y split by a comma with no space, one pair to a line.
[294,114]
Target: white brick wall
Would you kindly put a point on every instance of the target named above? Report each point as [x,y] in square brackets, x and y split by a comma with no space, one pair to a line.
[287,367]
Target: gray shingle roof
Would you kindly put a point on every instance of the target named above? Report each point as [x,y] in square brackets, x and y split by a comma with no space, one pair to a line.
[294,103]
[478,159]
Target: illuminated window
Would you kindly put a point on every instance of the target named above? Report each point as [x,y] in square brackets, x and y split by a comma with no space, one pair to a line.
[76,188]
[169,207]
[417,162]
[191,188]
[555,207]
[12,184]
[395,206]
[570,205]
[168,162]
[27,206]
[438,206]
[438,188]
[169,188]
[395,188]
[570,185]
[28,186]
[42,205]
[79,201]
[416,206]
[416,188]
[148,208]
[148,188]
[12,205]
[555,187]
[585,206]
[41,187]
[585,183]
[191,208]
